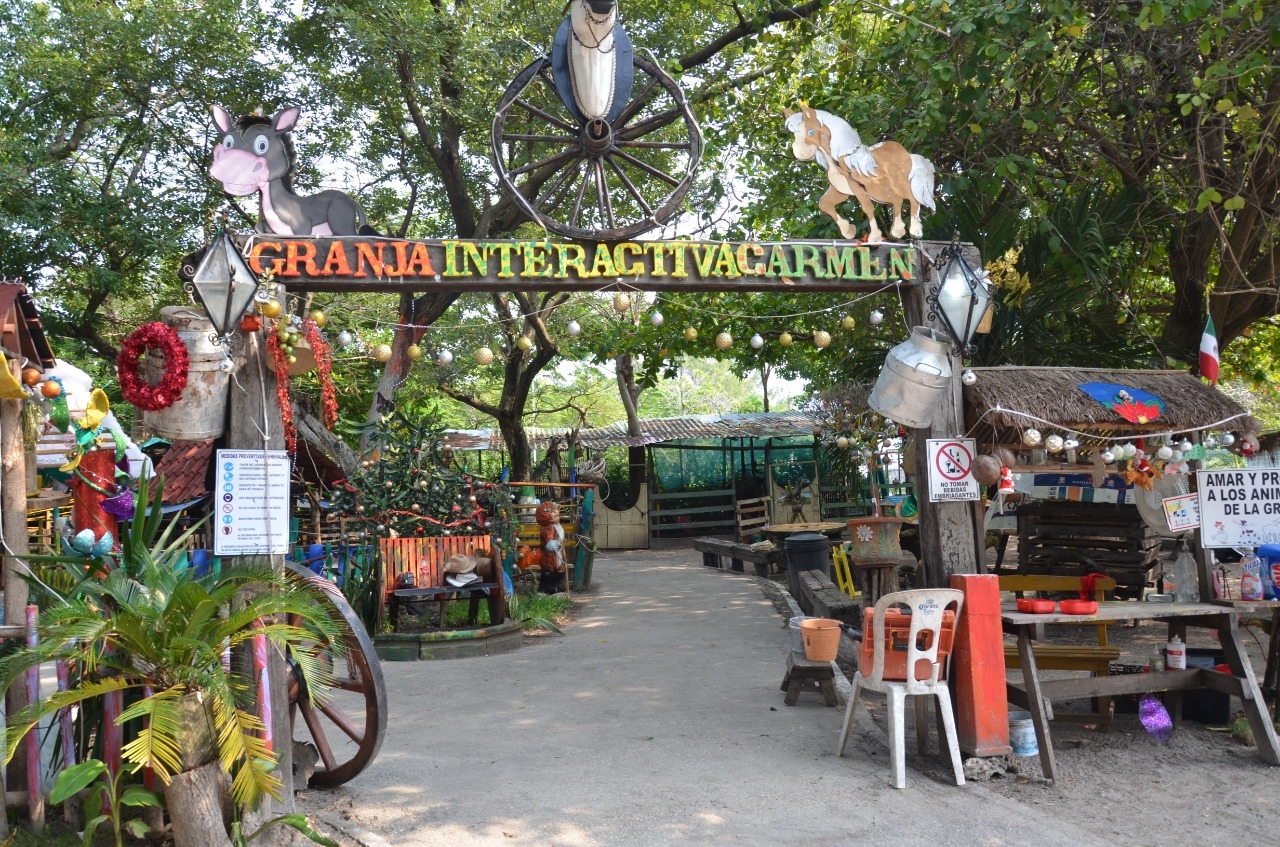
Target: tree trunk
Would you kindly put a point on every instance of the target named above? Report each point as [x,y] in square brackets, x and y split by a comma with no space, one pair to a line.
[415,316]
[511,425]
[199,803]
[764,385]
[13,501]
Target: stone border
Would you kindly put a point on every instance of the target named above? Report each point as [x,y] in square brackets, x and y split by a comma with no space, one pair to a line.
[451,644]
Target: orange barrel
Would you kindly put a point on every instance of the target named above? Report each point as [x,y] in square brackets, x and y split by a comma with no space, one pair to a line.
[977,668]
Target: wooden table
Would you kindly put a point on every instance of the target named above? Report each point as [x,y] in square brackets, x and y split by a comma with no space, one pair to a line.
[780,531]
[1262,609]
[1036,695]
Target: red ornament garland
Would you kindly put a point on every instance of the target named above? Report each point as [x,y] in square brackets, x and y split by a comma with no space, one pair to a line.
[324,373]
[281,359]
[159,337]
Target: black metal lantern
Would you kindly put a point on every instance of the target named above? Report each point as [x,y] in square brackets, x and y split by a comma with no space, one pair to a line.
[224,284]
[961,298]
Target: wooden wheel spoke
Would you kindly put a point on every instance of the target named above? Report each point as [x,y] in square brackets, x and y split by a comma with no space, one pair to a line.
[602,195]
[342,722]
[556,160]
[348,684]
[560,182]
[648,125]
[648,168]
[318,737]
[637,103]
[545,115]
[656,145]
[630,186]
[539,139]
[577,203]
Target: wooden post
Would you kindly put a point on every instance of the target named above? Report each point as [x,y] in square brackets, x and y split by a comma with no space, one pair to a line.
[13,511]
[948,540]
[255,424]
[35,794]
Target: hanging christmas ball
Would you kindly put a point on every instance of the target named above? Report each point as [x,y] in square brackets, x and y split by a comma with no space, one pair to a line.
[1070,443]
[1107,456]
[1130,450]
[416,507]
[877,317]
[381,352]
[381,527]
[847,322]
[757,341]
[1031,438]
[270,308]
[821,338]
[573,328]
[51,389]
[1054,443]
[1184,445]
[1227,439]
[1176,456]
[318,317]
[414,352]
[842,442]
[344,339]
[1165,452]
[30,376]
[724,341]
[226,366]
[523,343]
[657,319]
[389,484]
[785,339]
[690,334]
[1211,440]
[621,301]
[444,357]
[484,356]
[968,377]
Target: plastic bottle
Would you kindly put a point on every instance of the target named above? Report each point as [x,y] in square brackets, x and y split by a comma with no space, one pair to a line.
[1175,655]
[1184,577]
[1250,576]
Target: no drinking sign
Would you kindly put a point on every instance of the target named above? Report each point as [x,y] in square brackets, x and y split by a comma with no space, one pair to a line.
[951,470]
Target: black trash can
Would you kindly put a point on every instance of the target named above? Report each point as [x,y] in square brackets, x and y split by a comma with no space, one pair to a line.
[806,551]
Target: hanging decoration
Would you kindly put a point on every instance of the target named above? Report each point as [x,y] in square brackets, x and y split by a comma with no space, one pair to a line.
[281,359]
[444,357]
[724,341]
[1132,404]
[821,338]
[484,356]
[324,372]
[163,339]
[381,353]
[877,317]
[657,319]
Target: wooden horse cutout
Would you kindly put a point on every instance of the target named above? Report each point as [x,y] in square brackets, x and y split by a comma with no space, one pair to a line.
[881,173]
[256,155]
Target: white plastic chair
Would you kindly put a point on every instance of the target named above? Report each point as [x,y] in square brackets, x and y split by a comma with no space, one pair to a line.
[927,606]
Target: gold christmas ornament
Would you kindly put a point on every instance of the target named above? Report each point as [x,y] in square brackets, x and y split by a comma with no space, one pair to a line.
[484,356]
[381,352]
[724,341]
[318,318]
[785,339]
[690,334]
[414,352]
[847,322]
[524,343]
[821,337]
[621,301]
[270,308]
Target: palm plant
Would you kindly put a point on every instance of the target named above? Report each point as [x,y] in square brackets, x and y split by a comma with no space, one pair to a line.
[141,621]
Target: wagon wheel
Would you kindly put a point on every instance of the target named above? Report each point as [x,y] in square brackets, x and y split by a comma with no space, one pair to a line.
[598,180]
[347,729]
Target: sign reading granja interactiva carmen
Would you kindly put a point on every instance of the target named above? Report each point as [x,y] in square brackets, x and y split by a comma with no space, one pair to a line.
[385,264]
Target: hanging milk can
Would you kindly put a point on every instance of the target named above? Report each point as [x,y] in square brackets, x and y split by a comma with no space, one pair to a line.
[201,413]
[914,378]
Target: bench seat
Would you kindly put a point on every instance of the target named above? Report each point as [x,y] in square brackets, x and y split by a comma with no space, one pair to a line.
[715,550]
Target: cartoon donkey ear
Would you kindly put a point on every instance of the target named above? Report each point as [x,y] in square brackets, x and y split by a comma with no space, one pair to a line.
[221,119]
[285,119]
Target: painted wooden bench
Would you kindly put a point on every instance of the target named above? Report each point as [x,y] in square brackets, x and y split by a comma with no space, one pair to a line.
[1094,658]
[424,559]
[715,550]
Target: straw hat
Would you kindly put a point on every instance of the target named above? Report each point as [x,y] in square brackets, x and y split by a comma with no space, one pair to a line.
[460,563]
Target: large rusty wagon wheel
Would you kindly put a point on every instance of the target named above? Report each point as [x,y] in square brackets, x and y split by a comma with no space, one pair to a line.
[348,727]
[600,179]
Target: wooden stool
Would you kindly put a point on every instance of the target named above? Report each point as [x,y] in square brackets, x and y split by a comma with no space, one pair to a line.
[804,675]
[877,578]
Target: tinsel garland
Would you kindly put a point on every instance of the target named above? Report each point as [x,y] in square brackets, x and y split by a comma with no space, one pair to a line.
[281,360]
[324,373]
[162,338]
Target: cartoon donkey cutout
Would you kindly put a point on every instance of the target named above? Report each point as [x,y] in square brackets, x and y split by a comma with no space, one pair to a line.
[257,155]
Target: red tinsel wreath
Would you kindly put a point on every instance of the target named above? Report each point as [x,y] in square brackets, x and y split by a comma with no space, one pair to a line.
[150,338]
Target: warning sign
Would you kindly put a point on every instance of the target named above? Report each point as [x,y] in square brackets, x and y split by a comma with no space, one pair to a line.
[951,470]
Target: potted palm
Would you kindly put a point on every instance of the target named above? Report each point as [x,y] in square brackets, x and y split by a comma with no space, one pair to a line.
[141,622]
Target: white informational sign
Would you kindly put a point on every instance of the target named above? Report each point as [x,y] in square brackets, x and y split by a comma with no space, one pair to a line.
[1239,508]
[1182,512]
[951,470]
[251,503]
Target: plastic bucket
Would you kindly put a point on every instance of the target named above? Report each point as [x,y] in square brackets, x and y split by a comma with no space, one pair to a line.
[797,638]
[821,639]
[1022,734]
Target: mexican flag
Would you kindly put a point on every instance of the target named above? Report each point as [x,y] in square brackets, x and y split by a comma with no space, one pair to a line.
[1209,353]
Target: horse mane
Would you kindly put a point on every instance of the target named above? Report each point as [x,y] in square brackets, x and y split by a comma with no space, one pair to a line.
[244,122]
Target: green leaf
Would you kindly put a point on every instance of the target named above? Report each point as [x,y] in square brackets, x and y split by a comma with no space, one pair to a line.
[136,827]
[298,822]
[90,827]
[1207,198]
[136,795]
[1234,203]
[1223,105]
[1030,125]
[74,779]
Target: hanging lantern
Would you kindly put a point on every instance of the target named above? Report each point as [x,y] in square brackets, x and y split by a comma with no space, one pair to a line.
[724,341]
[657,319]
[1031,437]
[1053,443]
[444,357]
[484,356]
[621,301]
[757,341]
[960,300]
[573,328]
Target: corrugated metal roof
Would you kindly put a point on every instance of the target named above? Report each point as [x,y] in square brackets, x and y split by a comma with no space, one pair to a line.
[654,431]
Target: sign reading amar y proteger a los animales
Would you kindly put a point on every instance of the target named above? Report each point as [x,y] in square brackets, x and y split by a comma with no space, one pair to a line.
[1239,508]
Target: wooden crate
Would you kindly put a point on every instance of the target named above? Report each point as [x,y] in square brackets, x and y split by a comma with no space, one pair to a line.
[1065,538]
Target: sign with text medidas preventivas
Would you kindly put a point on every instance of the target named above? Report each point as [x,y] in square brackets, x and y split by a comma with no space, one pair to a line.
[251,503]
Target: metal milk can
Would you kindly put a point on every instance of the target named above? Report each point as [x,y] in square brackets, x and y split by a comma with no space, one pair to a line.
[914,379]
[201,413]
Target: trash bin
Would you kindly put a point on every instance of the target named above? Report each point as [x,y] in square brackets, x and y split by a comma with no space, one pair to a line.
[806,551]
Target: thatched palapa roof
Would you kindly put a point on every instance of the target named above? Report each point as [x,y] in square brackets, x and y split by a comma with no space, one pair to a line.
[1011,399]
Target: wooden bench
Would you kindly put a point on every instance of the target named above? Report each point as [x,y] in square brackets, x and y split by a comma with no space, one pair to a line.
[425,559]
[715,550]
[1094,658]
[820,598]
